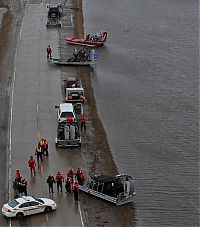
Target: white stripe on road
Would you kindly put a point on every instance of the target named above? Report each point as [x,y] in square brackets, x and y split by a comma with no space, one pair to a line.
[11,117]
[81,216]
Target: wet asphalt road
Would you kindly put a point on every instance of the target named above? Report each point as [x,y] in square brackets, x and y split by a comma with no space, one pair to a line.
[146,89]
[37,90]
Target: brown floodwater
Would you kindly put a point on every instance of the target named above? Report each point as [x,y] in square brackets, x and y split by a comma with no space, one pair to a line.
[146,90]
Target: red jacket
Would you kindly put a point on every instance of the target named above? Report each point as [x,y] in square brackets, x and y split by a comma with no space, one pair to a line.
[75,186]
[59,177]
[31,163]
[83,118]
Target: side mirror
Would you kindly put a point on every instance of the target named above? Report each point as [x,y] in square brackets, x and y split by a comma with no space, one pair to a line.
[56,107]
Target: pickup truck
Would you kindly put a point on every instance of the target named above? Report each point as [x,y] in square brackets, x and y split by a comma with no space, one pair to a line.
[75,95]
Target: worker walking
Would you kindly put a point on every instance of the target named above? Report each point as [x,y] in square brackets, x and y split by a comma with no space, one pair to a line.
[75,190]
[83,122]
[50,182]
[59,180]
[32,165]
[49,52]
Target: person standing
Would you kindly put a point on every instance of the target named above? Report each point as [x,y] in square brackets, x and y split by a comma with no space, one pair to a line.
[32,165]
[59,180]
[39,153]
[50,182]
[75,190]
[83,122]
[16,188]
[49,51]
[70,174]
[46,146]
[17,175]
[68,185]
[23,187]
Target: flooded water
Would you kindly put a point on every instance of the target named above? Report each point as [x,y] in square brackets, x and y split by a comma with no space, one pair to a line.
[146,89]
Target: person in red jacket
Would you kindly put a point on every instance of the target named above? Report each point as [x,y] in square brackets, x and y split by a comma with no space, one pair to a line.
[17,175]
[32,165]
[83,122]
[70,174]
[59,180]
[49,52]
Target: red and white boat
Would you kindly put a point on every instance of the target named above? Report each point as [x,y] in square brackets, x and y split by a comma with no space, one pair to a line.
[95,40]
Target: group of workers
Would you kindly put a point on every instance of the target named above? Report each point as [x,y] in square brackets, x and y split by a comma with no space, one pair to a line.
[19,185]
[72,179]
[71,182]
[83,118]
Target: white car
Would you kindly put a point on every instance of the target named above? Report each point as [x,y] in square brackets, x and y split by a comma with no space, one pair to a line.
[27,205]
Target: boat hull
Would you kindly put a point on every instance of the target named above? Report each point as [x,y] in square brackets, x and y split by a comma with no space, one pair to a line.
[75,41]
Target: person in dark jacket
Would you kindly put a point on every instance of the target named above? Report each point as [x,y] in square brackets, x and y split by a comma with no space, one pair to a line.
[50,182]
[68,185]
[75,190]
[16,188]
[39,153]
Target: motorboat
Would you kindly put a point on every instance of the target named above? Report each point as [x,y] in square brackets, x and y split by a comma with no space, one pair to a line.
[95,40]
[83,57]
[115,189]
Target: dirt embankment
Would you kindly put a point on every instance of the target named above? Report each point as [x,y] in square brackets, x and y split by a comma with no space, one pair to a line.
[6,20]
[105,158]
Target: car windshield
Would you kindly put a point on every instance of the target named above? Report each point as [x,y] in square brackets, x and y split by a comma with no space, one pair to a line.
[40,200]
[65,114]
[13,203]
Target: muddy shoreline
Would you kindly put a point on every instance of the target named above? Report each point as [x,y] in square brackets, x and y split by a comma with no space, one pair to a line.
[105,157]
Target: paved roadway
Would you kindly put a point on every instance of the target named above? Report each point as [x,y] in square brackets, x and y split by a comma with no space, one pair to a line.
[146,89]
[37,90]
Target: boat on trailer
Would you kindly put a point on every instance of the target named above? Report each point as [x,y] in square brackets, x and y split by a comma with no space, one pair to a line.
[95,40]
[118,190]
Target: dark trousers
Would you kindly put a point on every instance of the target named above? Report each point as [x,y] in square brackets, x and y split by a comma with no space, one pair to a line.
[39,156]
[51,188]
[68,187]
[75,195]
[49,55]
[46,151]
[83,125]
[59,185]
